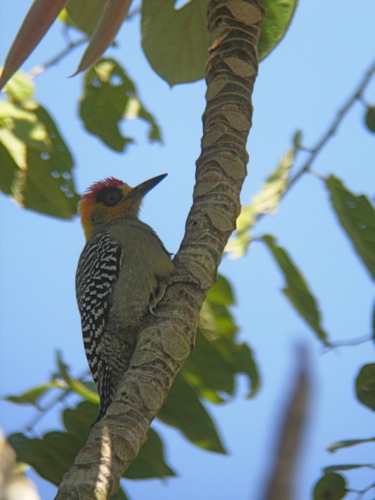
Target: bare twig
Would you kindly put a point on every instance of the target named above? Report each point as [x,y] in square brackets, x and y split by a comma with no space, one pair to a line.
[37,70]
[332,129]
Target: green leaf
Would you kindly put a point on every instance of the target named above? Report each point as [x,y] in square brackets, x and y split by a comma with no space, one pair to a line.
[240,241]
[297,290]
[33,396]
[120,495]
[185,412]
[217,321]
[221,292]
[207,371]
[333,468]
[267,201]
[75,385]
[365,385]
[109,97]
[77,421]
[357,216]
[370,119]
[217,359]
[245,363]
[20,88]
[150,463]
[331,486]
[50,456]
[83,14]
[348,443]
[9,170]
[263,203]
[279,14]
[213,365]
[175,41]
[38,164]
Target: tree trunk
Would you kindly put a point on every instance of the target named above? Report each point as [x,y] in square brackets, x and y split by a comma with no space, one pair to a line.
[166,340]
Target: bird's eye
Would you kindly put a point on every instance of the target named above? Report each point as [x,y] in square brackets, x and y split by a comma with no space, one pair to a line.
[111,198]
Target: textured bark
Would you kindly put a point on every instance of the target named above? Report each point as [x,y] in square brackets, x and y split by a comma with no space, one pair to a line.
[165,341]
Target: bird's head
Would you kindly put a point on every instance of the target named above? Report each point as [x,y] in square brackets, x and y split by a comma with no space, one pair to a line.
[110,200]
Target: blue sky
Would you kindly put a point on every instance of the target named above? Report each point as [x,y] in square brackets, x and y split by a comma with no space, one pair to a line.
[301,85]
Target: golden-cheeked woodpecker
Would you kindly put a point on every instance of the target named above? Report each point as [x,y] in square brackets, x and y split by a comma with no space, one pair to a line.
[118,272]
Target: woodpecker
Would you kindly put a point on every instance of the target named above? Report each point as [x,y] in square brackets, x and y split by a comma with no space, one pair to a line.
[117,275]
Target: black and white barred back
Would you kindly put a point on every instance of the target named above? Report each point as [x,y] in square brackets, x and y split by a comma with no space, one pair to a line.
[98,269]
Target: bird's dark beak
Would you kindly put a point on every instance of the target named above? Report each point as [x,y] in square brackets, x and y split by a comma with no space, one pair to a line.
[142,189]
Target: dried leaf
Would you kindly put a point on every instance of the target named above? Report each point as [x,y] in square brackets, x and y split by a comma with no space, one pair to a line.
[114,14]
[37,22]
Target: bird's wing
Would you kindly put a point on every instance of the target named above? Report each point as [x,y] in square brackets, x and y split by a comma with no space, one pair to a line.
[99,267]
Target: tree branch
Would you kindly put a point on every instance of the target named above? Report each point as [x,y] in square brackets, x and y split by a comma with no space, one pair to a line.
[336,122]
[166,341]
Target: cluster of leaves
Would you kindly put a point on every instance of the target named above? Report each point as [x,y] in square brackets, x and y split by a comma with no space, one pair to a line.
[356,215]
[37,163]
[210,374]
[38,172]
[40,177]
[37,166]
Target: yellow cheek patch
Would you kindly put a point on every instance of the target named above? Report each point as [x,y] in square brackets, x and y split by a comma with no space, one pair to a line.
[94,214]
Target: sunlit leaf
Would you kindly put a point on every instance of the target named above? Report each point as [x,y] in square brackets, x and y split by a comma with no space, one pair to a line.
[279,14]
[185,412]
[241,239]
[20,88]
[268,199]
[38,166]
[17,151]
[331,486]
[34,395]
[76,385]
[348,443]
[264,202]
[357,216]
[297,290]
[108,93]
[217,321]
[365,385]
